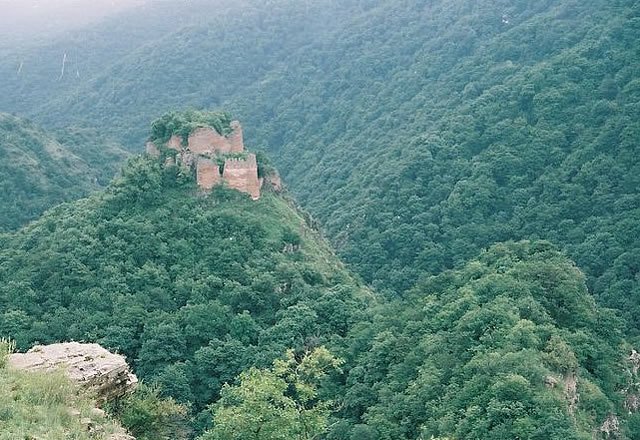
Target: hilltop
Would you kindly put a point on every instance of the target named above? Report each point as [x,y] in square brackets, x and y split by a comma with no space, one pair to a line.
[193,288]
[211,147]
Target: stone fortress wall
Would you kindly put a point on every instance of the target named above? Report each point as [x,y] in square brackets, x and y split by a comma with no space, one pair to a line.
[242,174]
[203,148]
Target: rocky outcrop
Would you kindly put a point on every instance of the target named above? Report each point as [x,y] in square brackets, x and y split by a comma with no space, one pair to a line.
[275,182]
[89,365]
[571,390]
[632,389]
[610,427]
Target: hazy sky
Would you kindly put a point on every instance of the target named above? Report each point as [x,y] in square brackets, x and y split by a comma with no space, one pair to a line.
[24,18]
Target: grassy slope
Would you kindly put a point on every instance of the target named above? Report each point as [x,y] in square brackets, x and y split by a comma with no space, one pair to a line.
[40,405]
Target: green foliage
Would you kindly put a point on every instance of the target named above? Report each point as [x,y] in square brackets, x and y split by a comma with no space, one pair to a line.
[6,348]
[484,352]
[279,403]
[417,133]
[38,170]
[193,289]
[147,416]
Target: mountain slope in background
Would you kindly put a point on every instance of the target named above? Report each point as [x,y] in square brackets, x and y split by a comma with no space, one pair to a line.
[39,170]
[20,21]
[418,133]
[68,68]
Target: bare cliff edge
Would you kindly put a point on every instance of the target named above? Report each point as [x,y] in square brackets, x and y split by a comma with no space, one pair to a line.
[92,367]
[206,149]
[88,365]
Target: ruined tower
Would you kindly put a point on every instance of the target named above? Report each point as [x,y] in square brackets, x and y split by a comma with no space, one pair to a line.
[205,147]
[242,174]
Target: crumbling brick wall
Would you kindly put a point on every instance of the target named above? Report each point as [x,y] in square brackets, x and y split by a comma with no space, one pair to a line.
[207,173]
[242,174]
[175,143]
[206,140]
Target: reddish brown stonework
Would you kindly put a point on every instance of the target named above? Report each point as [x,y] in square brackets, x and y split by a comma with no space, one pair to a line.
[236,142]
[152,150]
[242,174]
[204,144]
[175,143]
[206,140]
[207,173]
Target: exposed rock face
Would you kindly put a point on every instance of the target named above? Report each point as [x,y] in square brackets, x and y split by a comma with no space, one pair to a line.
[121,436]
[571,390]
[632,390]
[550,382]
[634,359]
[611,426]
[275,182]
[207,173]
[242,174]
[89,365]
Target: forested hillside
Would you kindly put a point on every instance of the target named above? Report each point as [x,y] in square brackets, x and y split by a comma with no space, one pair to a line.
[474,163]
[461,124]
[417,132]
[510,346]
[39,170]
[192,288]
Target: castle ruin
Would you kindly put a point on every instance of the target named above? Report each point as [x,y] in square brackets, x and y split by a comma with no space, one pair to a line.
[205,149]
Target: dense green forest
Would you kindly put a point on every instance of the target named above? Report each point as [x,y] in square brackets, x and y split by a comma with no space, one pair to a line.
[510,346]
[192,289]
[196,289]
[473,163]
[39,170]
[418,133]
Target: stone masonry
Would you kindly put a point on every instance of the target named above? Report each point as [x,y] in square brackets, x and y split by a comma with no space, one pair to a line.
[206,140]
[204,147]
[207,173]
[242,174]
[175,143]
